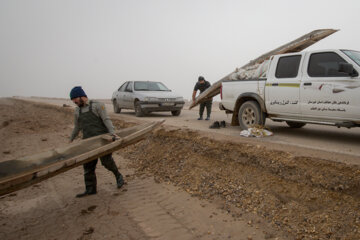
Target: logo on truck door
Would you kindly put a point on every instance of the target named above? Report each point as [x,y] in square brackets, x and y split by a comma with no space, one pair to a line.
[283,102]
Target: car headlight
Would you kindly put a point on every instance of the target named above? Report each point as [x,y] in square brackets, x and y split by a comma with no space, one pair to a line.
[179,99]
[151,99]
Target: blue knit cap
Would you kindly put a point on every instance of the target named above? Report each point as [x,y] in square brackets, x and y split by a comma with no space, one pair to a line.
[77,92]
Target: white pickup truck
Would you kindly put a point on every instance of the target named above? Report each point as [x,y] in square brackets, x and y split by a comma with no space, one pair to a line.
[319,87]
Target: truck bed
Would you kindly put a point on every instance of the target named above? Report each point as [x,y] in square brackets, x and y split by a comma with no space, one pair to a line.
[231,90]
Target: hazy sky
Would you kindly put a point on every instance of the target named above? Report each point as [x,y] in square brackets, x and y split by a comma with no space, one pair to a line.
[47,46]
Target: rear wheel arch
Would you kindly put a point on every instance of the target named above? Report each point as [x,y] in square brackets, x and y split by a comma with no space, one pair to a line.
[241,100]
[250,114]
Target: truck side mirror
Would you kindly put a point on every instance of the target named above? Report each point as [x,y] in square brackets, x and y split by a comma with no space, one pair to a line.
[347,68]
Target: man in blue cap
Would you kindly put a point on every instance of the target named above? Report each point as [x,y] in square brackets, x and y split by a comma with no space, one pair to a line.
[91,118]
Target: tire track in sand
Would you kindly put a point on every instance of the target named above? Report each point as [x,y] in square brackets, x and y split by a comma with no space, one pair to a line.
[166,212]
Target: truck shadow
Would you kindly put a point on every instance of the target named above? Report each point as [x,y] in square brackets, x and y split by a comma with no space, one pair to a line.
[320,133]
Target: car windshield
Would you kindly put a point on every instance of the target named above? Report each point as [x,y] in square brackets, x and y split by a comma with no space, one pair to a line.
[354,55]
[150,86]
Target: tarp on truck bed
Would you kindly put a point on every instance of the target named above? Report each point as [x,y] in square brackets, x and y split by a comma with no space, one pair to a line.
[257,67]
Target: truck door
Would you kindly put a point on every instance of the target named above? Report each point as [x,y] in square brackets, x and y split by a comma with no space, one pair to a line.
[327,93]
[282,92]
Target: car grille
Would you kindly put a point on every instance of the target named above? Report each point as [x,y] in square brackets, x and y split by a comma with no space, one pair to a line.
[167,99]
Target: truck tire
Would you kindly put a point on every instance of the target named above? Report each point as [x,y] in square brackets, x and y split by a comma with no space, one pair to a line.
[295,124]
[116,107]
[250,114]
[138,111]
[176,112]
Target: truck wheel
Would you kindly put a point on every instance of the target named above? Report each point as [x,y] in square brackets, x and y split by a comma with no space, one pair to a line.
[116,107]
[250,114]
[295,124]
[176,112]
[138,111]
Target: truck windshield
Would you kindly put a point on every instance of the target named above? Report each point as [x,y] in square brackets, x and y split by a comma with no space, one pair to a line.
[354,55]
[150,86]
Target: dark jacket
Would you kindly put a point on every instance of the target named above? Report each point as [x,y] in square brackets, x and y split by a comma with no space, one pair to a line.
[202,87]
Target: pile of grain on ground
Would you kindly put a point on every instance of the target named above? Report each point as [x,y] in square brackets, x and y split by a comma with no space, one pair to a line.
[307,198]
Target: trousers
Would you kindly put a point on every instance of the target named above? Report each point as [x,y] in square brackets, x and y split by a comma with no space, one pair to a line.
[89,171]
[206,104]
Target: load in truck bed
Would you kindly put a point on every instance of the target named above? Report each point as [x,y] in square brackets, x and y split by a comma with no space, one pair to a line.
[23,172]
[256,68]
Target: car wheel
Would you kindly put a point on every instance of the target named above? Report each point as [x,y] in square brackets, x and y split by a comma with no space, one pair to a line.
[250,114]
[176,112]
[138,111]
[116,107]
[295,124]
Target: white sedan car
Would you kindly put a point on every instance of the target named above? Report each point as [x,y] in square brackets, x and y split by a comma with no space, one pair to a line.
[145,97]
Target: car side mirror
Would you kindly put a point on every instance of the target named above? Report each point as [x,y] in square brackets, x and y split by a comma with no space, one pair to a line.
[347,68]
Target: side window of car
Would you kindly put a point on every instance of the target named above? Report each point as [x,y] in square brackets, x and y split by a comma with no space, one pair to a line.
[325,65]
[288,67]
[123,87]
[129,87]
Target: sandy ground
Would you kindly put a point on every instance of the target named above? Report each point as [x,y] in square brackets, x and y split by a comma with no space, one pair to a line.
[143,209]
[331,143]
[182,183]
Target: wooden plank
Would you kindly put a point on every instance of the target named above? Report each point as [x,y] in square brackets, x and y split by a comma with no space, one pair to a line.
[296,45]
[28,177]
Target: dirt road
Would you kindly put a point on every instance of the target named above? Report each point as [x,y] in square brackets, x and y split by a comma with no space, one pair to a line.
[312,140]
[182,184]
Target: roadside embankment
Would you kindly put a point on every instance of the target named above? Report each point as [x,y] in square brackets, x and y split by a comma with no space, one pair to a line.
[308,198]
